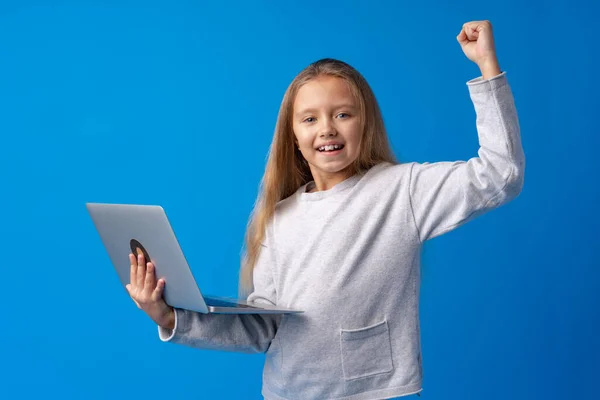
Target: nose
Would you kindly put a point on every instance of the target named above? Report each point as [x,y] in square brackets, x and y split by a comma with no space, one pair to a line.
[327,129]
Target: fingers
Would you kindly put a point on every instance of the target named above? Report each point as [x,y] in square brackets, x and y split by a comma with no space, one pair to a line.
[470,30]
[150,281]
[145,290]
[141,272]
[474,27]
[145,278]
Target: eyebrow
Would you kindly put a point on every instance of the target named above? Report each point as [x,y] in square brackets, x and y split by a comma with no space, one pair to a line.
[311,110]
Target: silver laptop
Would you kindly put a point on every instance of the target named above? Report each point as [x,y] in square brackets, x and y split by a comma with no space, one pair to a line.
[125,228]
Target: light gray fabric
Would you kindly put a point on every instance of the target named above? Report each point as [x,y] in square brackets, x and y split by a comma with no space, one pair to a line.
[350,258]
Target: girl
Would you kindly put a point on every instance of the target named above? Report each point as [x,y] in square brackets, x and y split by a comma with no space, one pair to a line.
[337,232]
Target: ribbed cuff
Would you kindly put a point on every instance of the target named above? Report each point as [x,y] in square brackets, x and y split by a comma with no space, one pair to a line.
[167,334]
[479,84]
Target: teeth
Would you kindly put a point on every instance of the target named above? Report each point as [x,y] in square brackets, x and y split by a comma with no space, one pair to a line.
[330,147]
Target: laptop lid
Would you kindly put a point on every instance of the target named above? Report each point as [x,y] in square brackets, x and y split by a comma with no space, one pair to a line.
[124,228]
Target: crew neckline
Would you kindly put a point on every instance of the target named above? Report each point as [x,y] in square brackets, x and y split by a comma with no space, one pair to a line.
[347,183]
[303,195]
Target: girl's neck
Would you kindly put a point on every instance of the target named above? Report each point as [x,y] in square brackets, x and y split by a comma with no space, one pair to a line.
[322,183]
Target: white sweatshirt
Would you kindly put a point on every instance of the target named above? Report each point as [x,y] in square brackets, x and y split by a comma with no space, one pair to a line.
[349,257]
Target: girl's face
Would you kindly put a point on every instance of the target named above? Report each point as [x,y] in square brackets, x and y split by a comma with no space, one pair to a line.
[327,128]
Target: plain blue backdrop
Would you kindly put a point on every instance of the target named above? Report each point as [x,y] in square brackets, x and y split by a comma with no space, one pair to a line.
[174,103]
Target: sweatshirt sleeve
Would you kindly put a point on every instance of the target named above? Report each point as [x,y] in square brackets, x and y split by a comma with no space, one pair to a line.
[247,333]
[445,195]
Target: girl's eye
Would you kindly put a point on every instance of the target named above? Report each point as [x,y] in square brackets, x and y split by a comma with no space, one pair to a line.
[309,119]
[343,115]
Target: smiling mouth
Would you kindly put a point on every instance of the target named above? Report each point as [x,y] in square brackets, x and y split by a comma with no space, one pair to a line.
[330,148]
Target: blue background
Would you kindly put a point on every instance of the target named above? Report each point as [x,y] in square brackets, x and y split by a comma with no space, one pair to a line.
[184,95]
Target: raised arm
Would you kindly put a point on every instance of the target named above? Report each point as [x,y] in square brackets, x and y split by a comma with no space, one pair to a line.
[445,195]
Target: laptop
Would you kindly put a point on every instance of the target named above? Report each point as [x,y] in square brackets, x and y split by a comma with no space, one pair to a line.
[128,228]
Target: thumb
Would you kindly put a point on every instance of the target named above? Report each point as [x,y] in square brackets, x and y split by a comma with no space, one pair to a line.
[157,294]
[128,287]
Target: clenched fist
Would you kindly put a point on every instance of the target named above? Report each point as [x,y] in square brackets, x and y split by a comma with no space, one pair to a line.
[476,39]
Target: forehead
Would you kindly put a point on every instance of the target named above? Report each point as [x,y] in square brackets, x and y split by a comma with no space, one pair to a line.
[324,91]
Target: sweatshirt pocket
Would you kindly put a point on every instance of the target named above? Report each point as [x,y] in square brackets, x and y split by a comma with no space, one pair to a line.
[366,351]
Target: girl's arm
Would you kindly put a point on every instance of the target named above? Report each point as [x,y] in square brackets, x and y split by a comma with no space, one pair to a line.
[249,333]
[445,195]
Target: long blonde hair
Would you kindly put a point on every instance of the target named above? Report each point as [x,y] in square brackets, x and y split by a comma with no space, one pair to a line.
[286,168]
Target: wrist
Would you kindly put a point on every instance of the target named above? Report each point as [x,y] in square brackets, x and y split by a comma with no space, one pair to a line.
[168,320]
[489,68]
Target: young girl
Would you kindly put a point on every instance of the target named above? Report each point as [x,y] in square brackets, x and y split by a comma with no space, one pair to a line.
[337,232]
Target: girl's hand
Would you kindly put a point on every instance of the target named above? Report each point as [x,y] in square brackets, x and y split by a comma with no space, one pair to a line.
[147,293]
[477,41]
